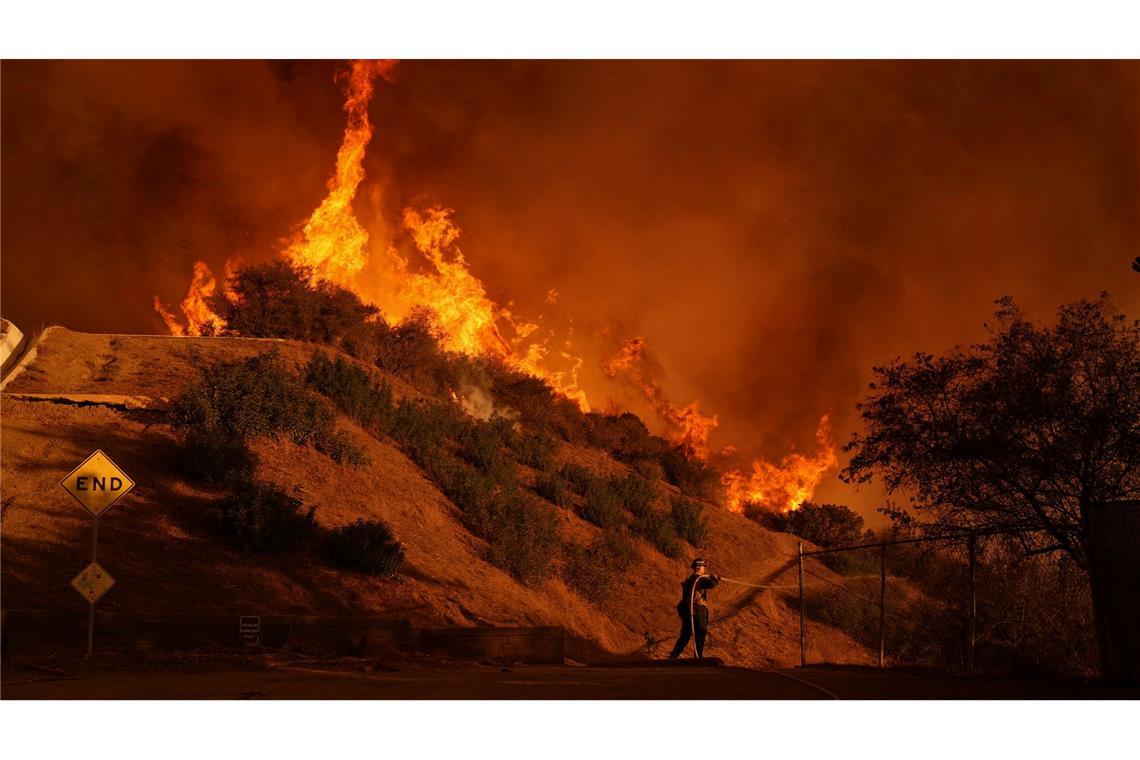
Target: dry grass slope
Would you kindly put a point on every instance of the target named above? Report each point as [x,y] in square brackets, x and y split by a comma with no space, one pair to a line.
[156,543]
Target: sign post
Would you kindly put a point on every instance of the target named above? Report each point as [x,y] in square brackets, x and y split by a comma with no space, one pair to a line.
[97,484]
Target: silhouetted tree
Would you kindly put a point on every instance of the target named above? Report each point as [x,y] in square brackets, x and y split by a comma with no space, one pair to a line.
[1028,431]
[1032,430]
[826,525]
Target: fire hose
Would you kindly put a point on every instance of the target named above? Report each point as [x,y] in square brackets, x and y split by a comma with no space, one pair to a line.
[755,585]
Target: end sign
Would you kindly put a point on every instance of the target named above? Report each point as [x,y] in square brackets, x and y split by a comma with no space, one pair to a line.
[97,483]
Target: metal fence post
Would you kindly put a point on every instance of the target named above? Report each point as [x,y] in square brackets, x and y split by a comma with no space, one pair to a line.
[973,549]
[882,603]
[803,649]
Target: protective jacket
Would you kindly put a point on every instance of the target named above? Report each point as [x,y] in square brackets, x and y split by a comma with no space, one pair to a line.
[699,595]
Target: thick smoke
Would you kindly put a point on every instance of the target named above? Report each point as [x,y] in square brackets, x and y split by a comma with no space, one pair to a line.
[772,229]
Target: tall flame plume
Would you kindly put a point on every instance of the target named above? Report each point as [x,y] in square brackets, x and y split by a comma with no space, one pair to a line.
[335,247]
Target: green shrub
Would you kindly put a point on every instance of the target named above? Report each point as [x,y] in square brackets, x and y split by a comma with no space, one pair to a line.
[251,397]
[352,389]
[214,456]
[483,444]
[424,427]
[592,570]
[553,489]
[587,574]
[236,401]
[536,450]
[657,529]
[692,476]
[540,408]
[263,518]
[623,435]
[618,550]
[279,300]
[366,546]
[578,477]
[522,535]
[602,504]
[635,493]
[411,350]
[339,447]
[649,468]
[464,485]
[825,525]
[687,520]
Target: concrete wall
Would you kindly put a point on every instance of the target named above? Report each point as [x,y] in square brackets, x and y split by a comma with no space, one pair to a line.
[11,340]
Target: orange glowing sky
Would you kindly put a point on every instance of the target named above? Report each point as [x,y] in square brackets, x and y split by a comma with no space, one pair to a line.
[772,230]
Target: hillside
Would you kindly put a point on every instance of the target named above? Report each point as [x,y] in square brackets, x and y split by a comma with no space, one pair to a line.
[84,391]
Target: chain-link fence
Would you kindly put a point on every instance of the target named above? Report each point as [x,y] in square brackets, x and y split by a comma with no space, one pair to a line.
[907,602]
[963,602]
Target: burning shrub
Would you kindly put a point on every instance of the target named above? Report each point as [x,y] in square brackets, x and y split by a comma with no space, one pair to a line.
[279,300]
[522,535]
[263,518]
[687,520]
[366,546]
[352,389]
[553,489]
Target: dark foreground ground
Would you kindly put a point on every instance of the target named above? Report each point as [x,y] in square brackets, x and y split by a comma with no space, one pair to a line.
[277,677]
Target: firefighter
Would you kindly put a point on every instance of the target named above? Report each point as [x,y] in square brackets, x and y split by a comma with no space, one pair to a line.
[693,608]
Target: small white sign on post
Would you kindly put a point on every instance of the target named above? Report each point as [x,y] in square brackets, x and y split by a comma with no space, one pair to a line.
[249,628]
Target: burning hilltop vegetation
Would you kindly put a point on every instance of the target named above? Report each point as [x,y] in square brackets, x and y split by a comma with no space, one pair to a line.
[419,276]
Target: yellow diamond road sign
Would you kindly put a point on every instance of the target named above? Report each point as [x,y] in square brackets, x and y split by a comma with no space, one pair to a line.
[97,483]
[93,582]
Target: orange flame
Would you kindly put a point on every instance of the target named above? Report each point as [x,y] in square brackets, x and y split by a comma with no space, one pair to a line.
[785,486]
[335,247]
[685,425]
[200,318]
[332,243]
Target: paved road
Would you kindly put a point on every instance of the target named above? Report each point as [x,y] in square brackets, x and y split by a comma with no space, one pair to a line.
[475,682]
[341,681]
